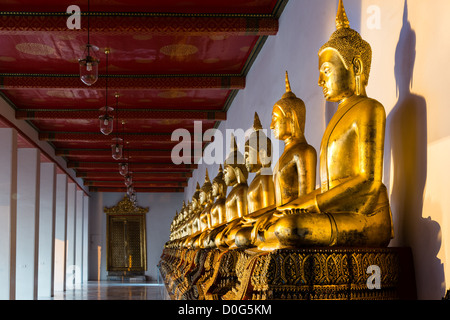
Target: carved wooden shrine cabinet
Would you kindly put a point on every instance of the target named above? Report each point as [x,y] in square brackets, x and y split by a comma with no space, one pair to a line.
[126,249]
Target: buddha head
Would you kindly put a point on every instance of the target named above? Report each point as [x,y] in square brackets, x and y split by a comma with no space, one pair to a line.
[258,148]
[234,165]
[205,191]
[219,187]
[183,211]
[288,116]
[344,61]
[195,203]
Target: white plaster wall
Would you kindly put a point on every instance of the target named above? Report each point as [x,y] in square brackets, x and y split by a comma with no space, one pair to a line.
[162,207]
[410,46]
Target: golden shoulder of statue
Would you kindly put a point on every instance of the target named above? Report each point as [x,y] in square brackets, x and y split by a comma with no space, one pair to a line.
[351,208]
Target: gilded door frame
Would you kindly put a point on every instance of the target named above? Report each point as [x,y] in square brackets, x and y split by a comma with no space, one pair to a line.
[126,207]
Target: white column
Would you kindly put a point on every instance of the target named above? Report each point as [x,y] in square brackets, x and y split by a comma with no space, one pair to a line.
[8,212]
[47,212]
[60,232]
[70,244]
[85,270]
[28,180]
[79,237]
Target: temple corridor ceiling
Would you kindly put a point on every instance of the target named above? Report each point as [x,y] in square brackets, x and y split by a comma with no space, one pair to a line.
[170,63]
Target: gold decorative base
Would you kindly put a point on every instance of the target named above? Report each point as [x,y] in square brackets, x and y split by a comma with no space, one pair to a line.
[224,277]
[305,274]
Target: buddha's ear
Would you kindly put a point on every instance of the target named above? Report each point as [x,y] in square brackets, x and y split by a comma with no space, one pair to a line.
[357,66]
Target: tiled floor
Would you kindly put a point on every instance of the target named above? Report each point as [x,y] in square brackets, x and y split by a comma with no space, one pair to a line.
[112,290]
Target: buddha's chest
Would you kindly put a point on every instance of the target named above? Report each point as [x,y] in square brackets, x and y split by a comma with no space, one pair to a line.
[340,152]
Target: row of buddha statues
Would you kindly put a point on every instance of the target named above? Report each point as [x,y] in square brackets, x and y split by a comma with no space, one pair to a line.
[284,210]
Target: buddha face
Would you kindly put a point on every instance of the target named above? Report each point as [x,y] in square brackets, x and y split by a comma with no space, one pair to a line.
[202,197]
[252,162]
[337,82]
[215,189]
[194,204]
[229,176]
[280,124]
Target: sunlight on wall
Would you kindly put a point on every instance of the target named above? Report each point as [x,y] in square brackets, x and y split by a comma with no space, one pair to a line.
[59,264]
[406,78]
[99,261]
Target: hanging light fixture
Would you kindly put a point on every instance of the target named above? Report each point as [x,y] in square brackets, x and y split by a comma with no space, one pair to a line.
[133,197]
[128,179]
[123,166]
[117,148]
[130,191]
[89,64]
[117,143]
[106,120]
[129,176]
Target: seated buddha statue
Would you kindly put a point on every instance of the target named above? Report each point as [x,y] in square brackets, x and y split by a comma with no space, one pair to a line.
[173,227]
[235,176]
[193,221]
[294,173]
[261,191]
[258,150]
[206,202]
[218,210]
[351,208]
[178,226]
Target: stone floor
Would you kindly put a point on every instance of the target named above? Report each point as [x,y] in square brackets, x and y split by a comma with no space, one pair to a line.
[113,290]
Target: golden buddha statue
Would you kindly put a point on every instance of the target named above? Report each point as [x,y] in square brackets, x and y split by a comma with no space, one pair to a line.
[236,207]
[219,192]
[206,201]
[258,150]
[261,191]
[294,174]
[218,210]
[193,220]
[352,207]
[173,227]
[179,225]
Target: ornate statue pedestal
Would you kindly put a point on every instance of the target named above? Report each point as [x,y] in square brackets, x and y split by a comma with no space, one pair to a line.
[305,274]
[324,274]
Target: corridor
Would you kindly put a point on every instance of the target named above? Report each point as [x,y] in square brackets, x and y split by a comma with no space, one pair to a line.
[112,290]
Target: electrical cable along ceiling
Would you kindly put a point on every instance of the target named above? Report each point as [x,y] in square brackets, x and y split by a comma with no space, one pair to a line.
[162,66]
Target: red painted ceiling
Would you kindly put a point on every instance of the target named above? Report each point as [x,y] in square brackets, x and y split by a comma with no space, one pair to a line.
[171,62]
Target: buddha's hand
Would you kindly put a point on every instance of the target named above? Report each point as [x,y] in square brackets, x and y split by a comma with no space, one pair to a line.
[248,220]
[290,211]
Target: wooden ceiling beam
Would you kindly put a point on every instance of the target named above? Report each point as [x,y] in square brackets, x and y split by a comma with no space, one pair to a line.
[132,157]
[153,176]
[124,189]
[120,83]
[122,114]
[99,137]
[149,167]
[137,184]
[104,24]
[107,153]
